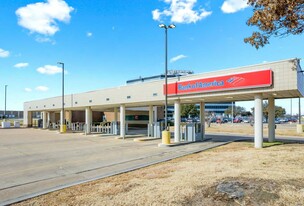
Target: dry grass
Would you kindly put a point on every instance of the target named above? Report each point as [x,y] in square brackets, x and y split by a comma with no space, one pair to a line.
[271,176]
[244,128]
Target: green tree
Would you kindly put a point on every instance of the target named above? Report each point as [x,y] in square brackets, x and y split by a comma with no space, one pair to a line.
[265,110]
[276,18]
[279,111]
[189,110]
[237,110]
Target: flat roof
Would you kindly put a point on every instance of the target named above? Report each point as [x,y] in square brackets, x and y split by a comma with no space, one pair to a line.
[287,81]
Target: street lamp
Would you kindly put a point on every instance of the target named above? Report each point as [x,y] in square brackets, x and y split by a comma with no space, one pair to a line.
[62,120]
[5,102]
[163,26]
[166,133]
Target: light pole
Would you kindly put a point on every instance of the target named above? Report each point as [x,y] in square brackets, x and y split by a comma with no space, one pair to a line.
[163,26]
[5,102]
[62,122]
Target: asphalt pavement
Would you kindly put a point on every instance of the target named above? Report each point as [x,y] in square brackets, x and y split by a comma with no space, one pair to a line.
[35,161]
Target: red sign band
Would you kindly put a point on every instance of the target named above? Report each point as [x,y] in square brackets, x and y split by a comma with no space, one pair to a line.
[230,82]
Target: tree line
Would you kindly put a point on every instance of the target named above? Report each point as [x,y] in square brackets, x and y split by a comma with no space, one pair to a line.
[191,110]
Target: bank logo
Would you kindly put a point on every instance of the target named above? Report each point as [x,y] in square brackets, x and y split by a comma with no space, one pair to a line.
[235,81]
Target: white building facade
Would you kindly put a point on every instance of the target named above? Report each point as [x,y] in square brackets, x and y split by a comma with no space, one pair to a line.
[268,81]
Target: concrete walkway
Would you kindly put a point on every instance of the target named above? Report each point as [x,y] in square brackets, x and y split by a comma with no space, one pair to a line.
[34,162]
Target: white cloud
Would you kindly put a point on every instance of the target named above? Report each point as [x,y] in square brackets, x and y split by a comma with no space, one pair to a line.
[232,6]
[42,88]
[42,17]
[49,69]
[21,65]
[181,11]
[174,59]
[27,89]
[156,14]
[89,34]
[3,53]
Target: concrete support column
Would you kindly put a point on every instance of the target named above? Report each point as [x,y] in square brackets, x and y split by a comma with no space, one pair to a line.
[115,114]
[202,119]
[122,121]
[155,113]
[44,120]
[258,121]
[48,119]
[177,120]
[88,119]
[300,126]
[27,119]
[271,118]
[151,120]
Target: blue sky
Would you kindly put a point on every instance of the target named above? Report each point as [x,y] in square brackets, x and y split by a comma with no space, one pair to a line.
[104,43]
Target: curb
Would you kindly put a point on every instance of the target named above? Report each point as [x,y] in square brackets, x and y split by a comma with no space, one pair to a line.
[181,143]
[145,139]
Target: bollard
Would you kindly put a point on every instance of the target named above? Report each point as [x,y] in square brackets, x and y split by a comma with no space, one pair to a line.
[63,128]
[165,137]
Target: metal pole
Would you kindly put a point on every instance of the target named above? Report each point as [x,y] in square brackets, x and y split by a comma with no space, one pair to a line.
[5,102]
[63,94]
[63,127]
[171,26]
[166,80]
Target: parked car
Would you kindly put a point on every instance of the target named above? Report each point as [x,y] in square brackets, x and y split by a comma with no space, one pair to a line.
[226,120]
[277,121]
[283,120]
[237,120]
[246,120]
[196,119]
[293,119]
[189,120]
[183,119]
[213,120]
[219,121]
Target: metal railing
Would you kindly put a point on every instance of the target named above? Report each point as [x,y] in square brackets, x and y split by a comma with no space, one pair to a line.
[78,126]
[103,128]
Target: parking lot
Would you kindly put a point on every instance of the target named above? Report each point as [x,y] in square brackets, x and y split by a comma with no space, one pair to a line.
[35,161]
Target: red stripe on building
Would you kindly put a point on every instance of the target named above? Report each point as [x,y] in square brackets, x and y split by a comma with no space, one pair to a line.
[238,81]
